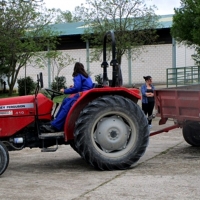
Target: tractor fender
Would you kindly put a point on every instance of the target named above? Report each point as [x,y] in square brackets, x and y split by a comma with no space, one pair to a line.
[88,96]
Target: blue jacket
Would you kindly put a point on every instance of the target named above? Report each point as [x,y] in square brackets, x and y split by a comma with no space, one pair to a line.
[143,91]
[81,84]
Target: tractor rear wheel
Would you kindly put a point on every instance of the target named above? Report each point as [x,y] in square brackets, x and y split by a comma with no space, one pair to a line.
[4,158]
[191,133]
[111,133]
[73,146]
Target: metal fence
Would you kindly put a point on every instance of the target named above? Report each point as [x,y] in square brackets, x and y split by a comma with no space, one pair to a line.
[183,76]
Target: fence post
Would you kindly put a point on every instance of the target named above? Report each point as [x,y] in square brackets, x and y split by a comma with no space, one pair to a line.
[49,70]
[129,67]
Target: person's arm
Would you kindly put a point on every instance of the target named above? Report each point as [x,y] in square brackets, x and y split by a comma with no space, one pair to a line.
[151,94]
[76,87]
[143,90]
[144,93]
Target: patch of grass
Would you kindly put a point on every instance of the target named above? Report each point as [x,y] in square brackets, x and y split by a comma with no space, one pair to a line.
[59,99]
[5,95]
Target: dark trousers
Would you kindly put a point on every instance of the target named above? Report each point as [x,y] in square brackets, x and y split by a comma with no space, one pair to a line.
[148,109]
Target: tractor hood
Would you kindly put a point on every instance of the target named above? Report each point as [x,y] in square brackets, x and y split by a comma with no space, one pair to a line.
[25,103]
[17,113]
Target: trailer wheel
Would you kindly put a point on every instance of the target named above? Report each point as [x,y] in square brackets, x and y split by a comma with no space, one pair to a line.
[4,158]
[191,133]
[111,133]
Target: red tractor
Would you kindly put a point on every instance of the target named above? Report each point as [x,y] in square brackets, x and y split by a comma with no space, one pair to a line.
[105,126]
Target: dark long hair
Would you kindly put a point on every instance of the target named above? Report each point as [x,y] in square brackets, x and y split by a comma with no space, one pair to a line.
[79,69]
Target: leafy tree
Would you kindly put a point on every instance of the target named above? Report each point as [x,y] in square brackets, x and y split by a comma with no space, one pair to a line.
[65,17]
[99,79]
[24,31]
[196,56]
[186,25]
[58,83]
[133,22]
[26,86]
[58,60]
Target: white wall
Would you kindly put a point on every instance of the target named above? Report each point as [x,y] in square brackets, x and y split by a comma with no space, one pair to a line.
[154,61]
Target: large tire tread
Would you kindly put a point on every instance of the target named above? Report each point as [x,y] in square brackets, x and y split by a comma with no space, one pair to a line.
[85,147]
[191,133]
[4,158]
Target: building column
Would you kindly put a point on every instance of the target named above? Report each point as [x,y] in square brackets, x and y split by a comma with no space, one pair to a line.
[87,56]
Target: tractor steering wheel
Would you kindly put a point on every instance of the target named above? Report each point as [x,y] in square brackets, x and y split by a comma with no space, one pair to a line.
[53,93]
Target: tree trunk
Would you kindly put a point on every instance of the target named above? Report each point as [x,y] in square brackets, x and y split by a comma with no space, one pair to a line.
[10,92]
[12,79]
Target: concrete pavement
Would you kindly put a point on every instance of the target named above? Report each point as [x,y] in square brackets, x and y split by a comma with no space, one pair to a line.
[168,170]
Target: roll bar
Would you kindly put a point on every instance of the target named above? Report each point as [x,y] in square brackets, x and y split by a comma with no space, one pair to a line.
[113,63]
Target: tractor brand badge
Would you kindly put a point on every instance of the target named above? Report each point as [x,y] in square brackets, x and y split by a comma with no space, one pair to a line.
[17,106]
[9,112]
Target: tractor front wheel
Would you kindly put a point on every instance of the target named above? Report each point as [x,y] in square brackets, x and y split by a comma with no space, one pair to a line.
[111,133]
[4,158]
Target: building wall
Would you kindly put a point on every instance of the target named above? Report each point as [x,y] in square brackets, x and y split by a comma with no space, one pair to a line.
[153,61]
[183,56]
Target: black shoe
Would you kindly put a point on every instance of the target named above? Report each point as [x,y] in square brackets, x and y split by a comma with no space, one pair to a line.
[47,123]
[49,129]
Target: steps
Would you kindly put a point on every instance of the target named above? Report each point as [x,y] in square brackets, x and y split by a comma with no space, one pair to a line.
[46,136]
[51,135]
